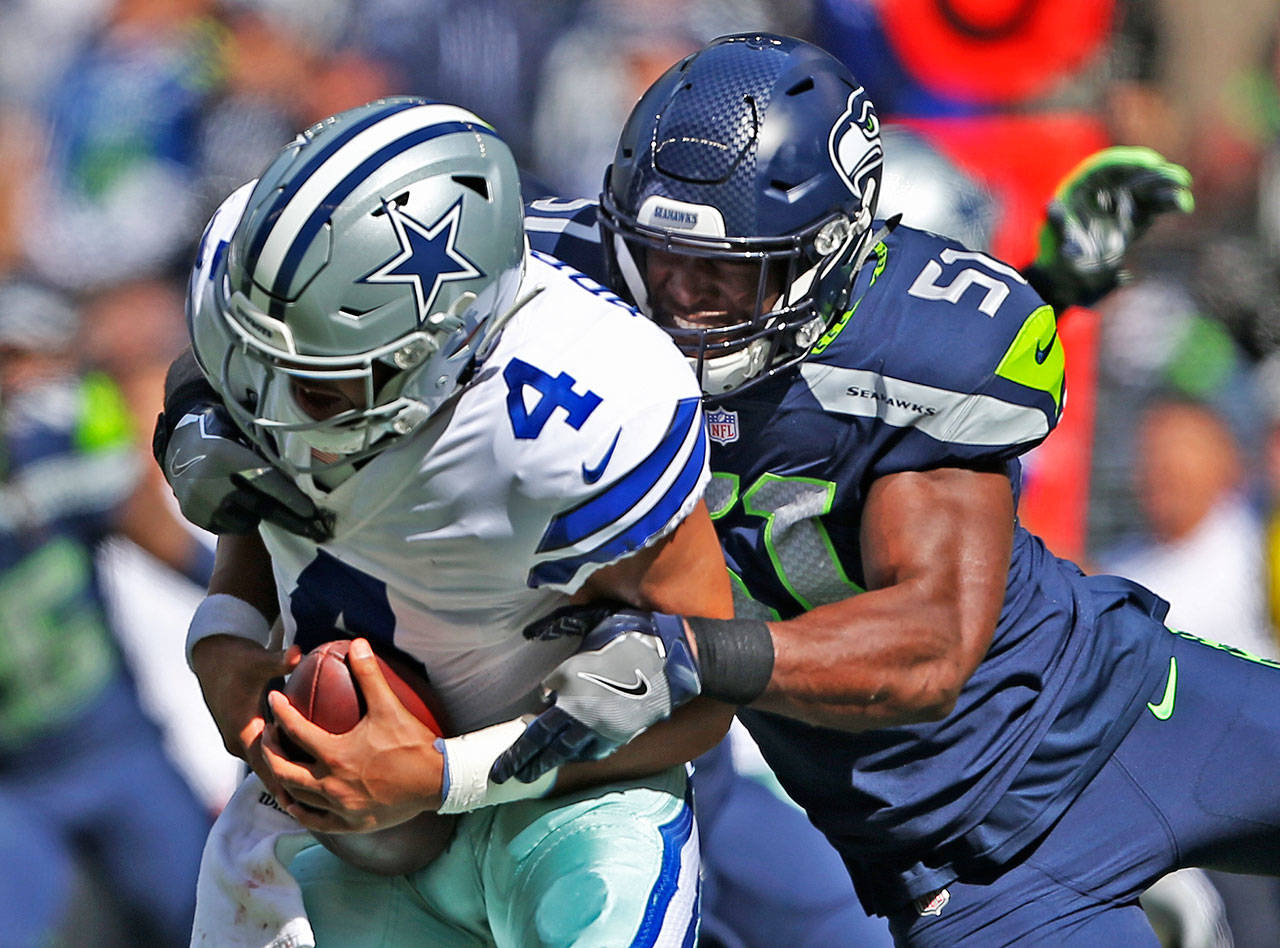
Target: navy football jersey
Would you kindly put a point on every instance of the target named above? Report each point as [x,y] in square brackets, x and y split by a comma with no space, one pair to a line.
[945,358]
[69,462]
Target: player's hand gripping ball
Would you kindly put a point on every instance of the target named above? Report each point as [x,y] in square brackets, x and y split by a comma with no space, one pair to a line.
[324,690]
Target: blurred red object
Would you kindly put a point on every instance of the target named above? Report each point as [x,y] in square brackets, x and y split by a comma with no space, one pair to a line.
[1021,159]
[995,51]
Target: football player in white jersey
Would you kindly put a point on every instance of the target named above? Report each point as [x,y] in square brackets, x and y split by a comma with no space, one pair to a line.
[469,453]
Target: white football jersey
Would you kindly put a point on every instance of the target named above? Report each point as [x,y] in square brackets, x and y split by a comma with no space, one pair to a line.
[578,441]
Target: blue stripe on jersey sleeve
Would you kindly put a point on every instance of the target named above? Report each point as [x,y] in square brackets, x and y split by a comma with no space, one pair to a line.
[593,515]
[652,523]
[286,194]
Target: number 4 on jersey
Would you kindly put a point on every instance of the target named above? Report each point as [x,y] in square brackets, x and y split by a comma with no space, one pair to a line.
[555,391]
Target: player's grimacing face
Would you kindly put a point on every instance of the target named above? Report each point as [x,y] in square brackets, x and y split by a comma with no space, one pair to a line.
[688,292]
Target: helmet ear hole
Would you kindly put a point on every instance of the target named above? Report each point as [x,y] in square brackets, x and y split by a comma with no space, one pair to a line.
[475,182]
[400,200]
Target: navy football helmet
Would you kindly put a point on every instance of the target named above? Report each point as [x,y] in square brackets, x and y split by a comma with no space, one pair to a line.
[758,151]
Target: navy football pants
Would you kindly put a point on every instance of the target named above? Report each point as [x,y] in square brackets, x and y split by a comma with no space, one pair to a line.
[1200,787]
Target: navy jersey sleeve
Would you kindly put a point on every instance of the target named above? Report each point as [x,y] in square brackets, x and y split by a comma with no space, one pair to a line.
[567,230]
[948,353]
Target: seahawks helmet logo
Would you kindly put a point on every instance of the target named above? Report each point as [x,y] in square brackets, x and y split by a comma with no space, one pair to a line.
[428,256]
[854,145]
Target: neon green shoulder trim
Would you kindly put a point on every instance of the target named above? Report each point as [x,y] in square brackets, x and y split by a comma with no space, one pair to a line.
[1035,358]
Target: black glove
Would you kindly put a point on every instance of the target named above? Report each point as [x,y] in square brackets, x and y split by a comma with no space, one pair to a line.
[221,483]
[1099,210]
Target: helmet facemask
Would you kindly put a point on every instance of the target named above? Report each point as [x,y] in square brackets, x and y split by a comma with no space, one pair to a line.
[777,328]
[392,389]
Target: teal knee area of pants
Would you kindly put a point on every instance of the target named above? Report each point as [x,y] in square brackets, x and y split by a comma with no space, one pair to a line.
[570,907]
[581,874]
[346,907]
[584,888]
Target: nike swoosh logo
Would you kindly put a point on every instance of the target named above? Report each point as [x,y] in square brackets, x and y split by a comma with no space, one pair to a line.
[1042,353]
[593,474]
[638,689]
[1164,709]
[179,466]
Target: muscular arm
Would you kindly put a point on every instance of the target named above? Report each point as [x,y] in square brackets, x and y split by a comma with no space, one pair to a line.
[234,672]
[936,557]
[684,573]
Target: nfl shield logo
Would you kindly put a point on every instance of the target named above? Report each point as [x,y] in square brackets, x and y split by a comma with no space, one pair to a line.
[722,426]
[933,904]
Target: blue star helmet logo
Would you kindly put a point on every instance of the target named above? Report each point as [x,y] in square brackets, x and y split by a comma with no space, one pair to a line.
[428,257]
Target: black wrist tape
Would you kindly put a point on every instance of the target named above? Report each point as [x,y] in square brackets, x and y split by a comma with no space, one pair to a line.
[735,658]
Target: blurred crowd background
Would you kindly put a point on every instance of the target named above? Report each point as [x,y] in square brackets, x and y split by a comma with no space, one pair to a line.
[123,123]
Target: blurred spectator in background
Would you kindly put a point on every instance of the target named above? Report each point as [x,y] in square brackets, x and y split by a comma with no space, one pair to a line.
[84,779]
[596,70]
[132,330]
[116,196]
[1204,547]
[484,55]
[284,63]
[1204,552]
[932,192]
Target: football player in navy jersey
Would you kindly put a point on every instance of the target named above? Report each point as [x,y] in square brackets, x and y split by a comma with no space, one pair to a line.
[568,230]
[1002,749]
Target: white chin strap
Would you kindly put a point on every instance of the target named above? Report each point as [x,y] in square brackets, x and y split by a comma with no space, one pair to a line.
[727,372]
[631,274]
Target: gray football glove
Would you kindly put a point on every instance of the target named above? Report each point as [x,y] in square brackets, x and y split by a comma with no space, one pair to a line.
[223,485]
[633,670]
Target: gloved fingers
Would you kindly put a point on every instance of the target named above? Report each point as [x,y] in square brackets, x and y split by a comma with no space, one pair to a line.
[1155,193]
[233,517]
[526,759]
[268,494]
[552,738]
[271,483]
[1153,189]
[572,620]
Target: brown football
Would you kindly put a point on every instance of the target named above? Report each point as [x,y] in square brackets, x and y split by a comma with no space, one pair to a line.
[324,690]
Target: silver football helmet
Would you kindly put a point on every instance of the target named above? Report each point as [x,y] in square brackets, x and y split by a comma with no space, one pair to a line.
[381,251]
[932,192]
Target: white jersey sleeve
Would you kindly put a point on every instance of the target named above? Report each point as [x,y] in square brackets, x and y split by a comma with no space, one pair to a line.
[607,431]
[580,441]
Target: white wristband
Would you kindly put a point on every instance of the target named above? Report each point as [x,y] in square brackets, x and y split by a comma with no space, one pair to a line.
[224,614]
[467,761]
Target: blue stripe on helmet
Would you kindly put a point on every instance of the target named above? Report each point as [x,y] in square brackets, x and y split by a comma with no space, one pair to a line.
[320,216]
[574,526]
[309,168]
[675,833]
[658,517]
